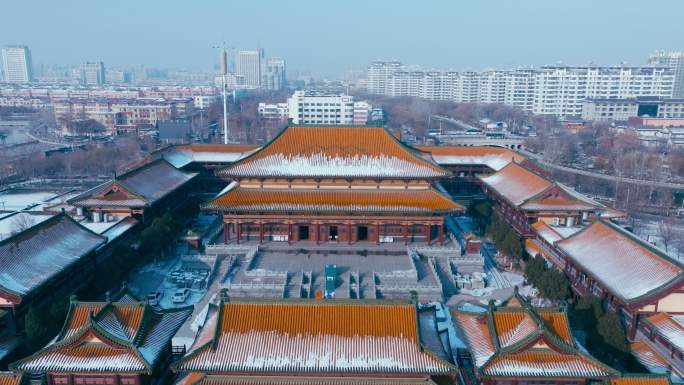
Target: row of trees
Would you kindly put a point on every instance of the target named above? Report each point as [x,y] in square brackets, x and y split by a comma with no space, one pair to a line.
[551,283]
[505,238]
[604,334]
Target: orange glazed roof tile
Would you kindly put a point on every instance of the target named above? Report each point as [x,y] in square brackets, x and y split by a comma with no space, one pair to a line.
[670,328]
[315,337]
[108,337]
[650,358]
[513,326]
[335,151]
[10,378]
[620,261]
[640,380]
[493,157]
[558,323]
[202,379]
[328,200]
[545,363]
[516,183]
[517,340]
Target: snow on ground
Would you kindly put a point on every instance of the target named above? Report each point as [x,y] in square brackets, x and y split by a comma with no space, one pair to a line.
[647,228]
[16,200]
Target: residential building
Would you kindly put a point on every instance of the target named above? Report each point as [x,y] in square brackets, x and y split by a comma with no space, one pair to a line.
[249,66]
[121,115]
[379,75]
[554,90]
[315,107]
[607,109]
[16,63]
[204,101]
[273,112]
[361,113]
[673,60]
[333,184]
[92,73]
[117,76]
[274,77]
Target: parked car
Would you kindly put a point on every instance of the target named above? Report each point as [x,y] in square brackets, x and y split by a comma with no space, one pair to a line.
[154,298]
[181,295]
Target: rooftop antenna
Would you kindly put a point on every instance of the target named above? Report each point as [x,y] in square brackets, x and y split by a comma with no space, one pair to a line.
[223,60]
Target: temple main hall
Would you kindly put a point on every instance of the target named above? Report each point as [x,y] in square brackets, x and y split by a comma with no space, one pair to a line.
[338,184]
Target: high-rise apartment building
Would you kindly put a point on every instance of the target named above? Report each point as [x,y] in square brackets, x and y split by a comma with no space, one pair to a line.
[673,60]
[92,73]
[16,62]
[379,75]
[274,74]
[554,90]
[248,65]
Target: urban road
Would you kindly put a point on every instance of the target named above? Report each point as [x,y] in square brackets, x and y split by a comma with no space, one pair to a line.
[613,178]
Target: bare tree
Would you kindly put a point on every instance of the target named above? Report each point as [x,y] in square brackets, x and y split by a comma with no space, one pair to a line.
[667,232]
[21,222]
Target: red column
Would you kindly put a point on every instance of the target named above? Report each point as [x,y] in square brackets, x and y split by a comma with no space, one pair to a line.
[225,232]
[377,233]
[427,234]
[261,233]
[405,231]
[289,233]
[238,231]
[441,234]
[318,232]
[349,233]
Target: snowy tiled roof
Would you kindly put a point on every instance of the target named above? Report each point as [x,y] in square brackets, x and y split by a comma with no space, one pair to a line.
[182,155]
[203,379]
[34,256]
[519,341]
[516,183]
[327,200]
[531,192]
[142,186]
[545,231]
[315,337]
[495,158]
[625,265]
[10,378]
[545,363]
[110,337]
[339,151]
[670,328]
[651,359]
[640,379]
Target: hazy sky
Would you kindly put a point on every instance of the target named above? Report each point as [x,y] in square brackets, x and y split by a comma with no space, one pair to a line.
[329,37]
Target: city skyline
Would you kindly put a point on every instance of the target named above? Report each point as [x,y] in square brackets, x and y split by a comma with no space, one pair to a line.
[357,34]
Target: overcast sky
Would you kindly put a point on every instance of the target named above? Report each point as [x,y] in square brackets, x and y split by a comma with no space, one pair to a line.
[329,37]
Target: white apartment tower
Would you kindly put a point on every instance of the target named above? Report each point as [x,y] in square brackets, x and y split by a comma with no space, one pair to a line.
[92,73]
[16,62]
[554,90]
[379,75]
[274,74]
[248,65]
[673,60]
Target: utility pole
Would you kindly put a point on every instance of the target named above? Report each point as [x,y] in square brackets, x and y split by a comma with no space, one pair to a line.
[224,72]
[223,60]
